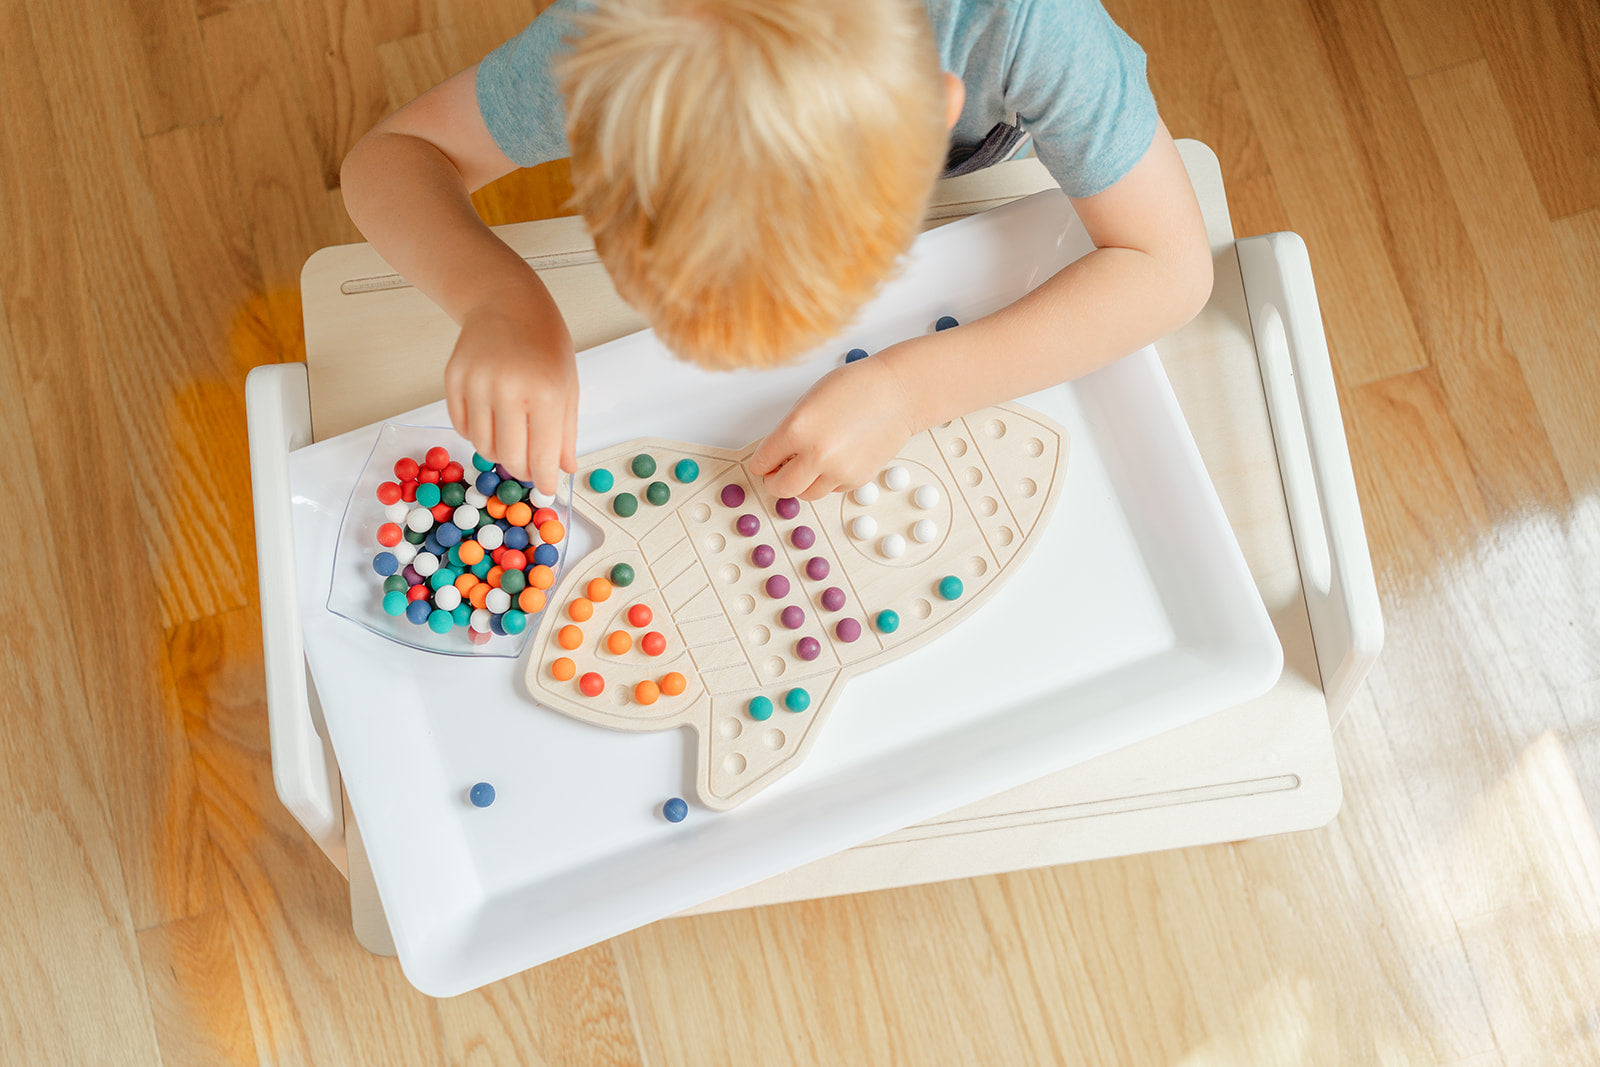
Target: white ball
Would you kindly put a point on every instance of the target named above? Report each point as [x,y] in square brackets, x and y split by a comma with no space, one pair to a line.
[497,601]
[926,497]
[863,527]
[397,511]
[425,563]
[866,495]
[447,599]
[893,546]
[541,500]
[466,517]
[480,620]
[491,537]
[475,498]
[924,531]
[420,520]
[405,552]
[897,478]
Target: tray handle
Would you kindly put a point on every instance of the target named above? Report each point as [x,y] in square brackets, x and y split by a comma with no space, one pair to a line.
[1319,486]
[278,413]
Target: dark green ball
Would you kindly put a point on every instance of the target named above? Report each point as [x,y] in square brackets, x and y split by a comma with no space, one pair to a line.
[644,465]
[454,494]
[657,493]
[622,575]
[510,492]
[625,504]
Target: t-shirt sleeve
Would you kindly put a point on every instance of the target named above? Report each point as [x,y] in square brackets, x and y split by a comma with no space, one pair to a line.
[1077,83]
[517,92]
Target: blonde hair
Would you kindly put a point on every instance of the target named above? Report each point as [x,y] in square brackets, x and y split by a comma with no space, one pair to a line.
[751,170]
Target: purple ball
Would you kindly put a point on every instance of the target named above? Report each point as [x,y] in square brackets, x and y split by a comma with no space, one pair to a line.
[732,495]
[777,587]
[847,630]
[788,508]
[763,555]
[832,598]
[411,575]
[793,618]
[803,537]
[816,568]
[747,525]
[808,648]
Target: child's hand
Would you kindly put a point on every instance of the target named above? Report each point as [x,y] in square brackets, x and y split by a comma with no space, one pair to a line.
[511,387]
[840,434]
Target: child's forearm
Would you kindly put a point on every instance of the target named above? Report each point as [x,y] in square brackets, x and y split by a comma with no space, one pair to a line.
[1094,311]
[413,205]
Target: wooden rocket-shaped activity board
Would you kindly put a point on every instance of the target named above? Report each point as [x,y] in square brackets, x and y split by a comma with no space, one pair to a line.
[710,604]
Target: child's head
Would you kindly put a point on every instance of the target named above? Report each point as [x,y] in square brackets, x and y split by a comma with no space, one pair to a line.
[752,169]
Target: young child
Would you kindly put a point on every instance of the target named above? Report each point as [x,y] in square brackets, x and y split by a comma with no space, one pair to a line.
[751,170]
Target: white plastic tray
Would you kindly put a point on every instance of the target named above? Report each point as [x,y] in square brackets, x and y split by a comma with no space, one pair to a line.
[1134,614]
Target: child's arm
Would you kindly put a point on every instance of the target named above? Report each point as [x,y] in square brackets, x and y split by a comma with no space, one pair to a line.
[1150,274]
[511,385]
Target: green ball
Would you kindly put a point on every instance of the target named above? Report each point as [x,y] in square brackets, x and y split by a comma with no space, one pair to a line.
[440,621]
[454,494]
[510,492]
[513,582]
[759,708]
[887,622]
[514,621]
[395,602]
[427,494]
[622,575]
[395,583]
[600,480]
[797,699]
[414,537]
[482,464]
[484,518]
[657,493]
[686,470]
[644,465]
[950,587]
[625,504]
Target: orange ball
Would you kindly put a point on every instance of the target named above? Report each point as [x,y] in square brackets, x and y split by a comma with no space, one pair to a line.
[599,589]
[647,692]
[619,642]
[541,577]
[531,600]
[580,610]
[552,532]
[654,643]
[470,552]
[519,514]
[569,637]
[563,669]
[673,684]
[478,595]
[465,583]
[495,507]
[493,577]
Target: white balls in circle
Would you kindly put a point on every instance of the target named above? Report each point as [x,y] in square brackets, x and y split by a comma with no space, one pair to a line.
[926,497]
[893,546]
[863,527]
[897,478]
[924,531]
[866,495]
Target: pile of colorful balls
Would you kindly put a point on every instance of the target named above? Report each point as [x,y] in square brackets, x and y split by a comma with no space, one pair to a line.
[476,554]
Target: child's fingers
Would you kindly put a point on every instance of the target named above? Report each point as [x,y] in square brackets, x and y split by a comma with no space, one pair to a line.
[544,452]
[569,440]
[820,487]
[511,442]
[479,428]
[792,478]
[774,450]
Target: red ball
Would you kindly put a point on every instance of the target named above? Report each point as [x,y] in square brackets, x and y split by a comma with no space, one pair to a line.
[389,535]
[405,469]
[513,559]
[639,615]
[452,472]
[592,684]
[437,458]
[408,491]
[389,493]
[495,554]
[654,643]
[442,512]
[417,592]
[542,516]
[428,476]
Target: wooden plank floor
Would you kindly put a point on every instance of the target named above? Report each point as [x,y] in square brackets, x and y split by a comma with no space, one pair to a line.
[167,165]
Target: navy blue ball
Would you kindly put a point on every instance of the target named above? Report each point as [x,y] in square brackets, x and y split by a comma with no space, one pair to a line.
[482,795]
[431,544]
[385,563]
[855,354]
[487,483]
[517,538]
[497,627]
[946,322]
[546,555]
[675,809]
[418,611]
[448,535]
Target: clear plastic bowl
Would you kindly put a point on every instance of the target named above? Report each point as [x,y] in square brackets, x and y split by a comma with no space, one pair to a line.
[356,592]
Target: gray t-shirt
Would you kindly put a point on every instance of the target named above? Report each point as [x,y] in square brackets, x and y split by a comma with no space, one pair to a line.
[1061,68]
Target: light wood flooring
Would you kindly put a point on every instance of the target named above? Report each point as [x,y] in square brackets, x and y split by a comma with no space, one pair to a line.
[167,165]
